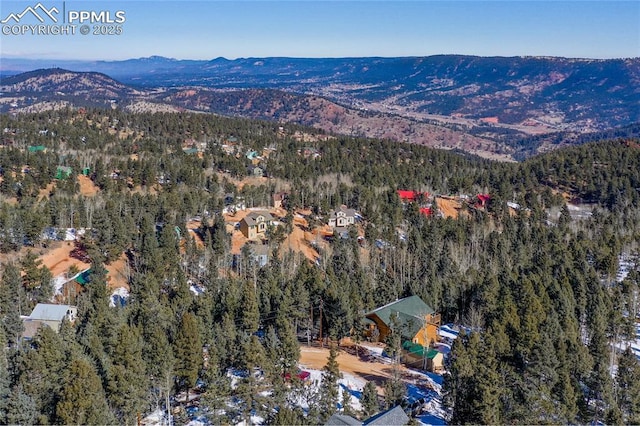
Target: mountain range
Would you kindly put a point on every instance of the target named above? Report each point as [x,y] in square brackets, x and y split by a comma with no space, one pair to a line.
[486,104]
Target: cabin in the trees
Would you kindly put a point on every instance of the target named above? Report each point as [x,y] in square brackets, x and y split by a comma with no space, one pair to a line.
[255,224]
[342,217]
[49,315]
[416,321]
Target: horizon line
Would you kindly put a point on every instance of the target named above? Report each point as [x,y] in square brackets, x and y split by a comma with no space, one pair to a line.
[27,58]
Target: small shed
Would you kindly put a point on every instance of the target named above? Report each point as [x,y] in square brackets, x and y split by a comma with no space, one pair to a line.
[84,277]
[417,355]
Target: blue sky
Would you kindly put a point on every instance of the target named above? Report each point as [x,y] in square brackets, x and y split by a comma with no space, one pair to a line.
[209,29]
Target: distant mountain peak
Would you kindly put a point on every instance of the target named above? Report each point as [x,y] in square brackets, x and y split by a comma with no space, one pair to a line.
[52,82]
[157,58]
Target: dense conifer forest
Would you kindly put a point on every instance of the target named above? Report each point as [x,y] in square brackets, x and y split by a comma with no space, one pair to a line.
[535,286]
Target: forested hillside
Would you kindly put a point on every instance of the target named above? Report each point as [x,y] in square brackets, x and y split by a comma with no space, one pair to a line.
[536,285]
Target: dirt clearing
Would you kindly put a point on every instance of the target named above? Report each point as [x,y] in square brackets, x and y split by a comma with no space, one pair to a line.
[58,260]
[87,187]
[316,358]
[448,207]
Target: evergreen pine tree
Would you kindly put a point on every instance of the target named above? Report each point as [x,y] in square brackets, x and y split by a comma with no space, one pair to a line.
[628,387]
[10,304]
[187,352]
[4,378]
[21,408]
[369,401]
[250,311]
[347,410]
[82,400]
[394,389]
[329,386]
[127,381]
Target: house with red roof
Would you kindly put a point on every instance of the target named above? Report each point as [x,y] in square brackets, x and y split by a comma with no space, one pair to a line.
[483,200]
[411,196]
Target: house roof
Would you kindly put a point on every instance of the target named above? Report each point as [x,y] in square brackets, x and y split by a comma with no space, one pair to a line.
[342,420]
[250,219]
[407,195]
[48,312]
[392,417]
[426,211]
[419,350]
[84,277]
[410,195]
[483,198]
[343,209]
[410,310]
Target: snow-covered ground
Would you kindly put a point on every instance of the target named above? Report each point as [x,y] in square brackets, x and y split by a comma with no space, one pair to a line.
[119,297]
[447,332]
[156,418]
[626,263]
[423,390]
[67,234]
[196,289]
[58,283]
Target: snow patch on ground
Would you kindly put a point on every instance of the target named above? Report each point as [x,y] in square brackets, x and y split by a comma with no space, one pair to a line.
[58,283]
[196,289]
[449,333]
[156,418]
[119,297]
[626,263]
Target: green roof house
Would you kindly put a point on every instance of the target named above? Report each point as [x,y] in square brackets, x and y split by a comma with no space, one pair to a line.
[417,321]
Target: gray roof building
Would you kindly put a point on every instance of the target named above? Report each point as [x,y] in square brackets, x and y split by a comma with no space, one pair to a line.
[342,420]
[50,312]
[252,217]
[393,417]
[49,315]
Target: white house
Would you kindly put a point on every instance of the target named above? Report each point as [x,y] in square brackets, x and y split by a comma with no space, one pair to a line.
[342,217]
